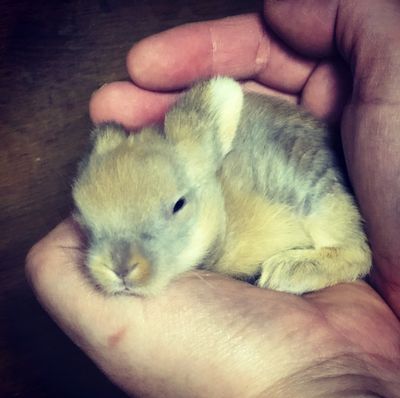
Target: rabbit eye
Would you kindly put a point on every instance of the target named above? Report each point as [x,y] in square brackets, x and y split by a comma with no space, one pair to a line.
[179,204]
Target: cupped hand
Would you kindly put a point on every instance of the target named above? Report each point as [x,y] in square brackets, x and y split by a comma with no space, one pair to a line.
[211,336]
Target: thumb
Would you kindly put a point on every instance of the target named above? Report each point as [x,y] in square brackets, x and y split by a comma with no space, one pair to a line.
[366,34]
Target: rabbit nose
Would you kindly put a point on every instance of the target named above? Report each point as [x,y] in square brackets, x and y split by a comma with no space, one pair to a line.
[123,271]
[137,269]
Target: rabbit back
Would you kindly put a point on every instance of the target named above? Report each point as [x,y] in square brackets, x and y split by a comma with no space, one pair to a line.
[284,154]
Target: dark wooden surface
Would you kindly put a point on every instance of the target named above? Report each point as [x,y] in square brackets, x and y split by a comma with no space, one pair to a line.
[53,55]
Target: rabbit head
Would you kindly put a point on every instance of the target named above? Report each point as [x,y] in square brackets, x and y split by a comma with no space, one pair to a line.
[151,202]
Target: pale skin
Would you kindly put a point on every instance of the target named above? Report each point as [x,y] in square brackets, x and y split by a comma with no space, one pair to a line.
[211,336]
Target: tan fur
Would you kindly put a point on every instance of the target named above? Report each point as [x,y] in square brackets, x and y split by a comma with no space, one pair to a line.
[249,208]
[340,251]
[140,268]
[108,140]
[256,230]
[100,269]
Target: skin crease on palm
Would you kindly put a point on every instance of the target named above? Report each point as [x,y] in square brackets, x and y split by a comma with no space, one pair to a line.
[210,336]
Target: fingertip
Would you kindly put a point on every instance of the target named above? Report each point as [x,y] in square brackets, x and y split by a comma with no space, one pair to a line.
[327,90]
[106,103]
[129,105]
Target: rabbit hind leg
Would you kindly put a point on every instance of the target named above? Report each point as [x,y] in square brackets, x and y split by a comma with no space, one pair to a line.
[339,253]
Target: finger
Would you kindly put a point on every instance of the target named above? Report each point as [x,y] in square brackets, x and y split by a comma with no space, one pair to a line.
[129,105]
[328,24]
[255,87]
[327,90]
[134,107]
[306,25]
[236,46]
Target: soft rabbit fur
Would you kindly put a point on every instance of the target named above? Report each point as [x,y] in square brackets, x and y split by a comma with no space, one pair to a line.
[233,182]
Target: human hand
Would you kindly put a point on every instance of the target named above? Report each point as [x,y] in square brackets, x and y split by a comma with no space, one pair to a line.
[209,335]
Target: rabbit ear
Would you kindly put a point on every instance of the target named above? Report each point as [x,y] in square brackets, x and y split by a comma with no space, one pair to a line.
[209,113]
[107,136]
[226,101]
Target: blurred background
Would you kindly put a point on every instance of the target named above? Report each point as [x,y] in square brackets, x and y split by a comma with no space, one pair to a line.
[53,55]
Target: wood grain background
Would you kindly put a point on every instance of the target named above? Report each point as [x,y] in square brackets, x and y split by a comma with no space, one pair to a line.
[53,55]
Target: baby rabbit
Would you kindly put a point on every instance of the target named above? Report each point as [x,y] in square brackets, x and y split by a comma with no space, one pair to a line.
[233,182]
